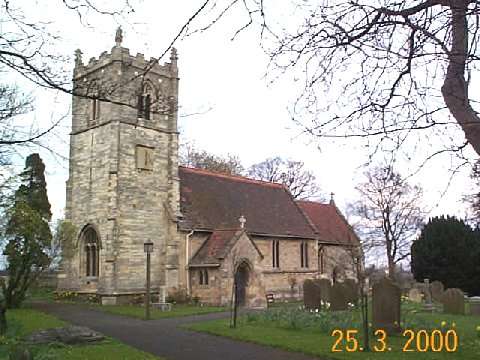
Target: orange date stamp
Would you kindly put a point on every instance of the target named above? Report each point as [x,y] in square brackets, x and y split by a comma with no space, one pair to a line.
[414,341]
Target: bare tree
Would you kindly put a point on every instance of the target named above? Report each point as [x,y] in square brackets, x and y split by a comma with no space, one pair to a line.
[201,159]
[384,71]
[292,174]
[473,197]
[29,49]
[389,214]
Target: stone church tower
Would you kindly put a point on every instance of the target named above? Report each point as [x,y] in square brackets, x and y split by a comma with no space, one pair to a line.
[123,186]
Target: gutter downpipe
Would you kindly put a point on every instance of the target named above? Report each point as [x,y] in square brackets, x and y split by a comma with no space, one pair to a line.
[187,253]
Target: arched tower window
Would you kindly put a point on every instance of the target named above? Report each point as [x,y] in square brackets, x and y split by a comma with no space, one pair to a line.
[94,108]
[91,251]
[144,102]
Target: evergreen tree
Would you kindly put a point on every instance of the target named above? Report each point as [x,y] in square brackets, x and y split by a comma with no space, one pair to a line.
[448,250]
[33,189]
[27,232]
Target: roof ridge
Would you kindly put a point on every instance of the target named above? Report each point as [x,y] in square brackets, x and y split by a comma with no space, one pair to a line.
[231,177]
[313,202]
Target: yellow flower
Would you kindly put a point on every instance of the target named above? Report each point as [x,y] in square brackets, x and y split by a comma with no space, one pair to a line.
[453,324]
[478,327]
[443,323]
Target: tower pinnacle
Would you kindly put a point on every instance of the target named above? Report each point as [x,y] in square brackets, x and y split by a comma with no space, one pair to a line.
[118,37]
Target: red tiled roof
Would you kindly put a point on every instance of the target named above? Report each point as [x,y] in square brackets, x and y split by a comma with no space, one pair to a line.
[211,200]
[331,226]
[217,246]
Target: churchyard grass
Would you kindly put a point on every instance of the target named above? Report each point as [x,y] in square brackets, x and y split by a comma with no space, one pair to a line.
[294,330]
[135,311]
[138,312]
[25,320]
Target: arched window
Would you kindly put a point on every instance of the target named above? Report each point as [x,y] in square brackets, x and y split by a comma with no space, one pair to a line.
[144,102]
[94,112]
[304,254]
[276,253]
[203,277]
[321,259]
[91,250]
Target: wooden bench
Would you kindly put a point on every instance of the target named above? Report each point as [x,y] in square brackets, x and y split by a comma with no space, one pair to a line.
[270,299]
[162,306]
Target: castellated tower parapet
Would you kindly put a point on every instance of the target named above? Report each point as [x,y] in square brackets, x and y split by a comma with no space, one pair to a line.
[123,186]
[113,84]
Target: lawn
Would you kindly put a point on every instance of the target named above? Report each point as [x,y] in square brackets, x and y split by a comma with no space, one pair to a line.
[311,333]
[24,320]
[177,310]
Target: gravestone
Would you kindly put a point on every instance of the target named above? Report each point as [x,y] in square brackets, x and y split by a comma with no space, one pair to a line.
[454,302]
[311,295]
[352,291]
[386,306]
[70,336]
[415,295]
[474,305]
[428,306]
[325,287]
[338,297]
[436,289]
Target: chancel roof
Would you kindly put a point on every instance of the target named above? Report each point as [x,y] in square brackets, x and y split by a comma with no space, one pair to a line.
[330,224]
[210,200]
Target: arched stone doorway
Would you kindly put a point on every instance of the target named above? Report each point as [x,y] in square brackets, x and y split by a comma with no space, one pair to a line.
[242,276]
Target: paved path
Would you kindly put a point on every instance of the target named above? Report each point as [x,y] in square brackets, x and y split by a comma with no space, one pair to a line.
[164,338]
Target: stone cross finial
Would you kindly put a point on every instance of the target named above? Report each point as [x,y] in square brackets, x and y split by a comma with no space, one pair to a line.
[119,37]
[331,198]
[242,221]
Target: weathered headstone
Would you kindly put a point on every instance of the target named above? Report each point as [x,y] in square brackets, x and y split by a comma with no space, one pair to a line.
[311,295]
[71,335]
[386,306]
[436,289]
[474,305]
[415,295]
[352,291]
[325,286]
[338,297]
[454,302]
[428,306]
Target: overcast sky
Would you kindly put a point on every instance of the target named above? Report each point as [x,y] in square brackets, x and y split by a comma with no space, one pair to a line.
[248,117]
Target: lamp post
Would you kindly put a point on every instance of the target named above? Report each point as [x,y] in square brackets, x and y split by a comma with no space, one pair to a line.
[148,249]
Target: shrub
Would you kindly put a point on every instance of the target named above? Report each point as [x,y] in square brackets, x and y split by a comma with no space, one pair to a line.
[178,296]
[64,296]
[92,299]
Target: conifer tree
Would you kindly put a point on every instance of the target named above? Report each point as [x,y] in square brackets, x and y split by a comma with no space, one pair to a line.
[448,250]
[27,232]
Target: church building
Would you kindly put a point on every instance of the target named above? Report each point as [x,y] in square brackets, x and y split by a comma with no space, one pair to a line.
[126,187]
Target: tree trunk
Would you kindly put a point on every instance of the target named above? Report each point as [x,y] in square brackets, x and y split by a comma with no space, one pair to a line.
[455,87]
[3,309]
